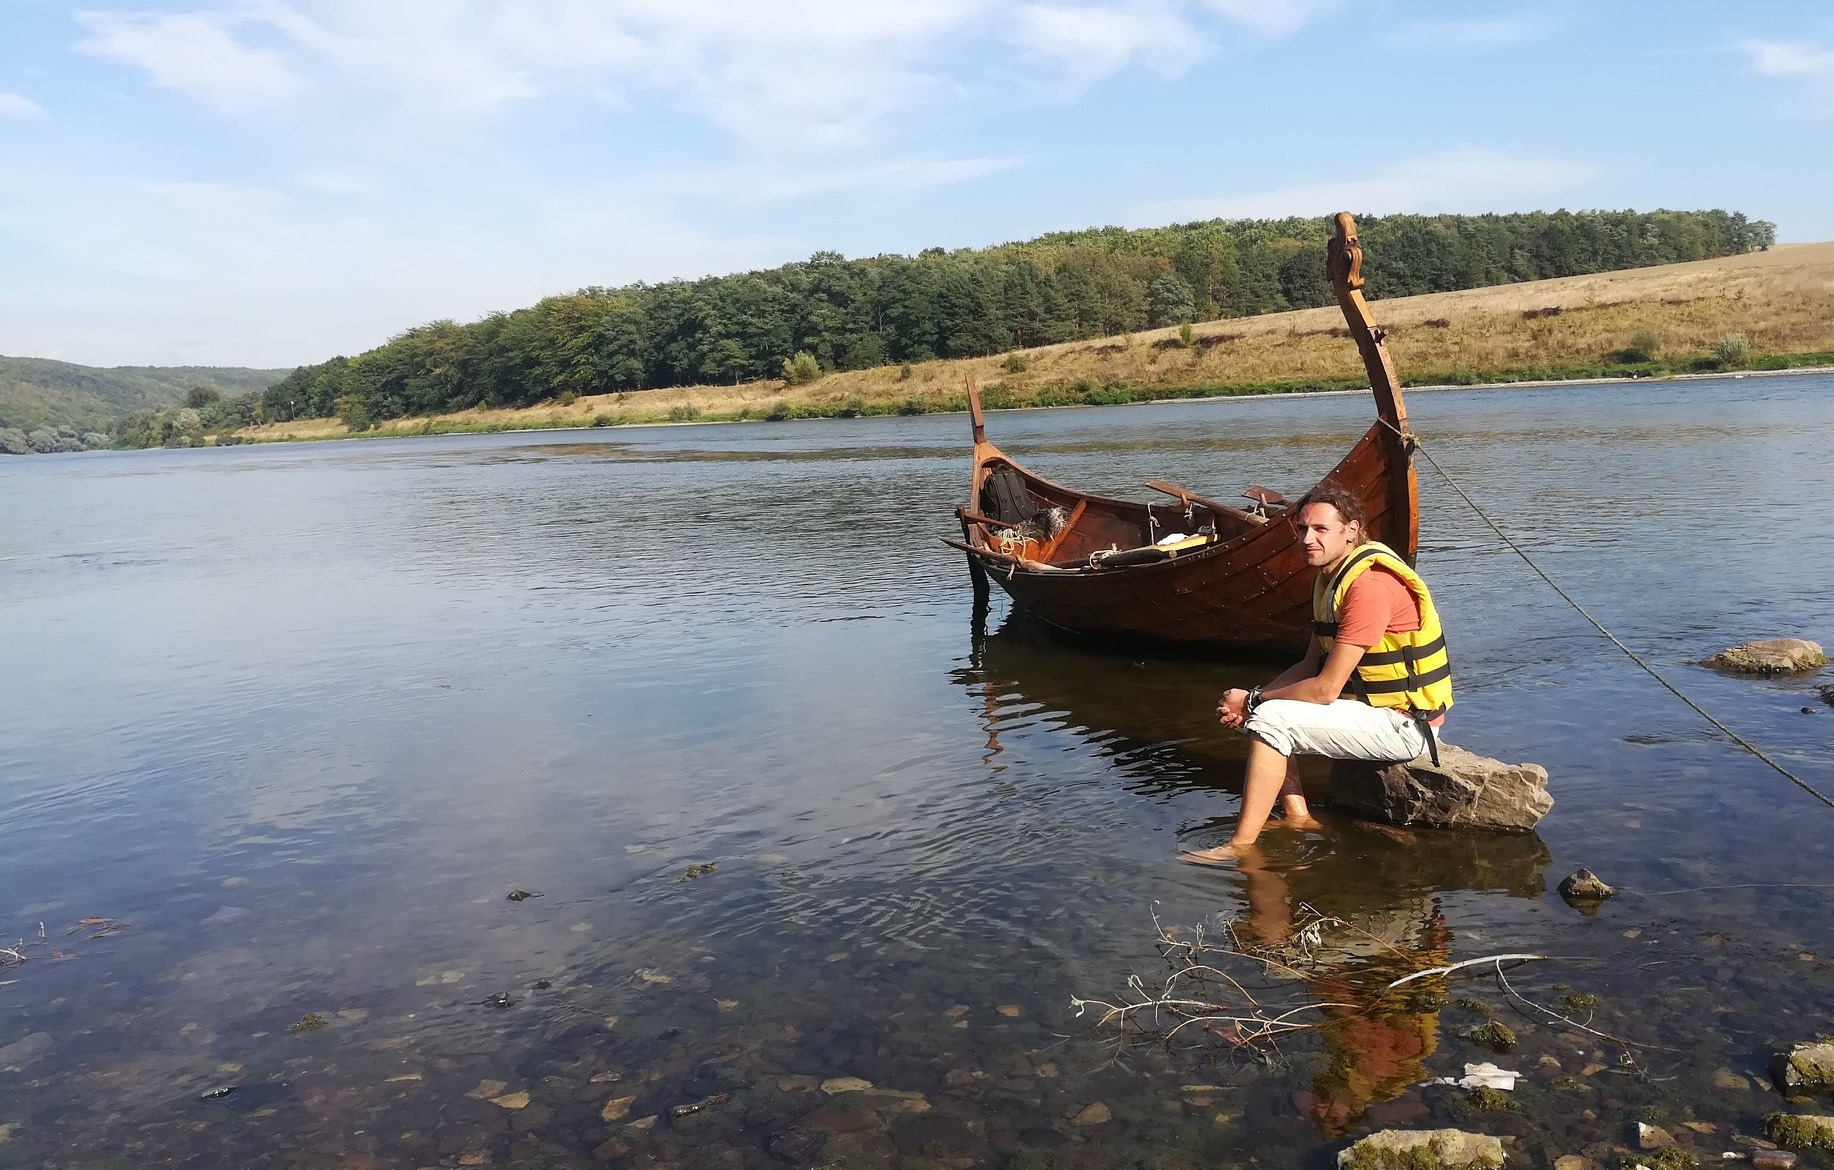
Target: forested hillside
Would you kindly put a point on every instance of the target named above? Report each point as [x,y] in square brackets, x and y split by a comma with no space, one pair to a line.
[39,396]
[831,313]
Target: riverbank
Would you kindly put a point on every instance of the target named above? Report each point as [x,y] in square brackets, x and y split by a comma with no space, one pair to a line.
[1574,329]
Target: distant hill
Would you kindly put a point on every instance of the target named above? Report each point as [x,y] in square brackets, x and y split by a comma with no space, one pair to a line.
[37,392]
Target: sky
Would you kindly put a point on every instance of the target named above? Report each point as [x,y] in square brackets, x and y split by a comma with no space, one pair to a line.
[273,182]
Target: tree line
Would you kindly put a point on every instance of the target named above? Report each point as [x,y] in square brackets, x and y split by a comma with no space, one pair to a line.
[830,313]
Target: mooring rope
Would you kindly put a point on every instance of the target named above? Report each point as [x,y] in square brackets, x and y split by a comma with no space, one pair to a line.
[1672,689]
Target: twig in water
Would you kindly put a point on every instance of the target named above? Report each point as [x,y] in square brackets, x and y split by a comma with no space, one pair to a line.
[1449,968]
[1556,1016]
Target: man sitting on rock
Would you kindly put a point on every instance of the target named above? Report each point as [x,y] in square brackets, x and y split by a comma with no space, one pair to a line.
[1376,635]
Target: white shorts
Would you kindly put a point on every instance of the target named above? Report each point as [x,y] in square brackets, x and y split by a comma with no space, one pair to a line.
[1343,730]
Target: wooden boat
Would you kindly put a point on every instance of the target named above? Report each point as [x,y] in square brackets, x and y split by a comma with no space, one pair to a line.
[1096,565]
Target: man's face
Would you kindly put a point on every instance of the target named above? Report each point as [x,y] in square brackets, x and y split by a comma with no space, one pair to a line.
[1324,535]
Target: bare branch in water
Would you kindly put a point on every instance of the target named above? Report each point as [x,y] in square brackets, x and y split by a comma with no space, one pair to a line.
[1448,969]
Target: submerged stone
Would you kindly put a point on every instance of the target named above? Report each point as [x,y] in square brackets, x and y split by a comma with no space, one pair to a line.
[1770,656]
[1464,791]
[1653,1137]
[1773,1160]
[1429,1149]
[23,1052]
[795,1144]
[1807,1067]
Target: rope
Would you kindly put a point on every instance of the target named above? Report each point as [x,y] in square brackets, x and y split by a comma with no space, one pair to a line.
[1734,736]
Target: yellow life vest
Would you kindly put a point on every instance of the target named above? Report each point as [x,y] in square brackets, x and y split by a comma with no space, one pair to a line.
[1409,671]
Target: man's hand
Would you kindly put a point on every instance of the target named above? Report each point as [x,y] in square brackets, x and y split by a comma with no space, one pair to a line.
[1232,708]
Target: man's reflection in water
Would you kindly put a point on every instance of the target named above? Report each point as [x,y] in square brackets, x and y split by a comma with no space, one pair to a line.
[1376,1047]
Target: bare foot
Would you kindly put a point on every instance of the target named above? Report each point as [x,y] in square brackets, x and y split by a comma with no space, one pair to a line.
[1221,857]
[1304,821]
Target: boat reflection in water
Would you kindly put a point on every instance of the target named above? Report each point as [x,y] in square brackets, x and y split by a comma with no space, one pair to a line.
[1395,896]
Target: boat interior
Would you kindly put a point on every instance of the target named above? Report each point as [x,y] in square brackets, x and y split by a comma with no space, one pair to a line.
[1032,520]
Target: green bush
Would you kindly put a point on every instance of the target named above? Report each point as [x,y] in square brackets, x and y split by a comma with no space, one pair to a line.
[684,413]
[904,372]
[1732,351]
[912,406]
[1187,335]
[1114,392]
[354,413]
[1014,364]
[601,420]
[566,398]
[1642,348]
[801,369]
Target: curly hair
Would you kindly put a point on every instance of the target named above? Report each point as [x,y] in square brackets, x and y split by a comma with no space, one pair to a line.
[1349,507]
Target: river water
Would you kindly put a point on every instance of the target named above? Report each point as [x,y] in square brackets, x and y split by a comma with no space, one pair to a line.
[298,718]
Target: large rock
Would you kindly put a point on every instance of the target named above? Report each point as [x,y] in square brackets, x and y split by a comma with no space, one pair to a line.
[1827,694]
[1800,1130]
[1425,1149]
[1465,791]
[1772,656]
[1807,1067]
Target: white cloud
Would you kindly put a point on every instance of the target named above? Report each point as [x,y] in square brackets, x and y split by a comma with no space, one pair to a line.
[194,54]
[1810,65]
[1465,179]
[1467,34]
[144,271]
[1792,59]
[1273,18]
[794,75]
[17,105]
[1090,43]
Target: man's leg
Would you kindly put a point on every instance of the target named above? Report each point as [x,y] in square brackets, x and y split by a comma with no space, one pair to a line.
[1261,786]
[1294,812]
[1283,728]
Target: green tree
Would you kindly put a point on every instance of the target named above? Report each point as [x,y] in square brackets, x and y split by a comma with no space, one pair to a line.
[1170,300]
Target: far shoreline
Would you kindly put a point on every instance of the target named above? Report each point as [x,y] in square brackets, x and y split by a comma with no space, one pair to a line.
[1235,396]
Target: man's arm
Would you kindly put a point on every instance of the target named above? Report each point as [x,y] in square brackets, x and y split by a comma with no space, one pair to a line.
[1232,709]
[1324,686]
[1307,681]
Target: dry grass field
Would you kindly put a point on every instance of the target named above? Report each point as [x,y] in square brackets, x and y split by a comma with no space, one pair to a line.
[1780,301]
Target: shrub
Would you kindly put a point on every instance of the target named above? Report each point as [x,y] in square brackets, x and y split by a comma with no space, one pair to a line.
[1642,348]
[1014,364]
[1187,335]
[912,406]
[353,412]
[687,412]
[904,372]
[566,398]
[801,369]
[601,420]
[1732,351]
[1114,392]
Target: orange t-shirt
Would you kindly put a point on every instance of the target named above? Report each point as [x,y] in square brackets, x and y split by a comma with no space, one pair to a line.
[1377,603]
